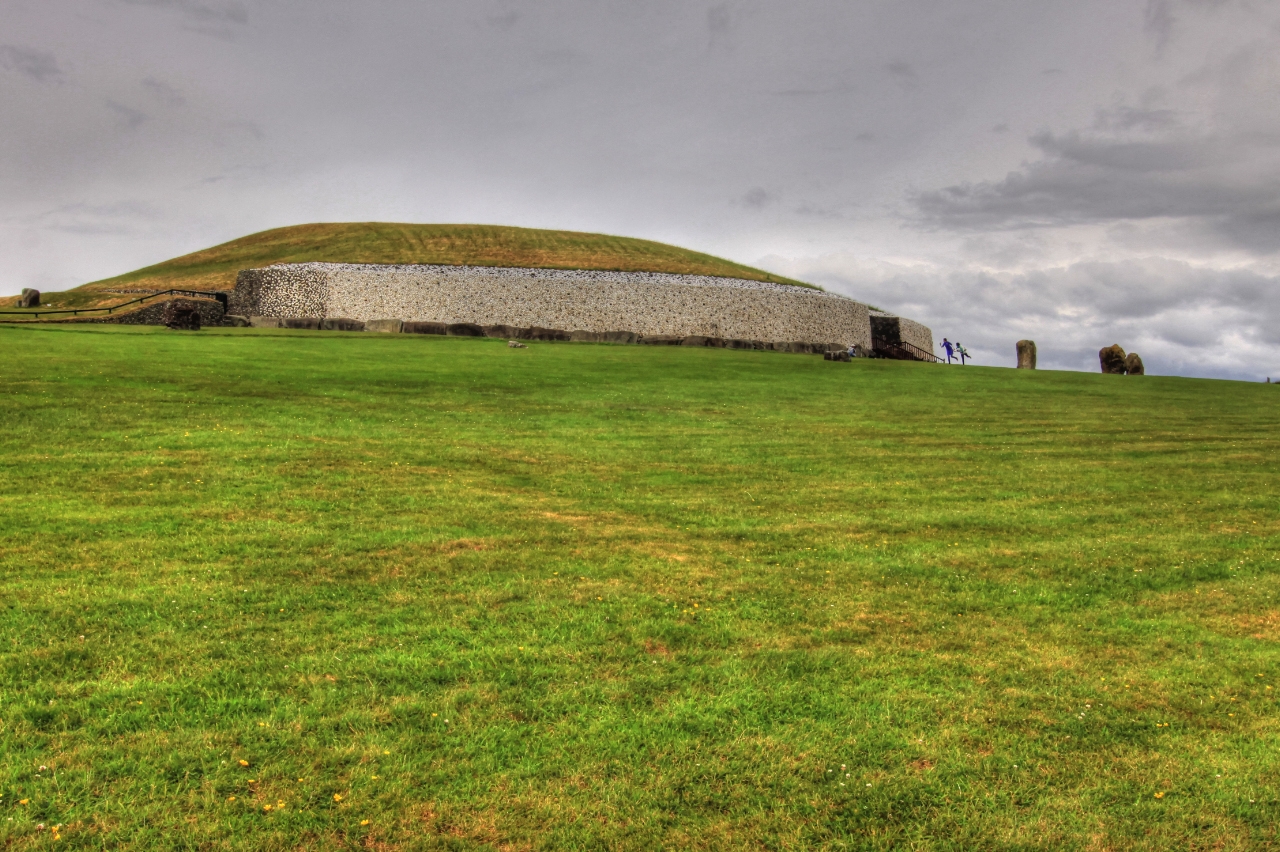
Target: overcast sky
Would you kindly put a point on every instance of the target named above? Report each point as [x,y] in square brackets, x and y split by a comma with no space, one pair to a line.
[1081,173]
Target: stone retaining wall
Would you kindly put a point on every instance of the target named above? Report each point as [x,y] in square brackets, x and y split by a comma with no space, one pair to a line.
[153,314]
[647,304]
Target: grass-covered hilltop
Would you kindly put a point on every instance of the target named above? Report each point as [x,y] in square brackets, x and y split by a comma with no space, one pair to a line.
[276,590]
[382,242]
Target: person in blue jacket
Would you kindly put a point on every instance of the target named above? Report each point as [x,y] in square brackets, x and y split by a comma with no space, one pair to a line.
[946,344]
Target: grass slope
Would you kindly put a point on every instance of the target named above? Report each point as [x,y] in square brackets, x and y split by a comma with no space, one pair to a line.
[381,242]
[281,590]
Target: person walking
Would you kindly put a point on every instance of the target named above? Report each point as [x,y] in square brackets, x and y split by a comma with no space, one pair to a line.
[946,344]
[962,352]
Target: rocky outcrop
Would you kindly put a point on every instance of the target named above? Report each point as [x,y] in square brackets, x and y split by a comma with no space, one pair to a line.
[1026,354]
[1111,358]
[29,298]
[1133,364]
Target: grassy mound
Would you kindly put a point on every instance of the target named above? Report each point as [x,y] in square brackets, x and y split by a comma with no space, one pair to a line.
[380,242]
[279,590]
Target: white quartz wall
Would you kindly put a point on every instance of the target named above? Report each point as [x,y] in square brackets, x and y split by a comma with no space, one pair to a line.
[572,300]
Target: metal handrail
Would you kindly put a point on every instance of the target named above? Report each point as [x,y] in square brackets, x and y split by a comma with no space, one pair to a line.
[220,297]
[901,351]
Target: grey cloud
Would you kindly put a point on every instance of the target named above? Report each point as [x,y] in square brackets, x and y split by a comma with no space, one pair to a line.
[1158,21]
[903,73]
[205,13]
[757,198]
[164,93]
[1135,118]
[119,218]
[39,65]
[1088,178]
[129,117]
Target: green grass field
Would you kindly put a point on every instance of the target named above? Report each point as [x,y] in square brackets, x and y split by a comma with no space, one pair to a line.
[296,590]
[388,242]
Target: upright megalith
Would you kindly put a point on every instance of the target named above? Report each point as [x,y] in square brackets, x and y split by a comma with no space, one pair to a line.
[1133,364]
[1112,359]
[1026,354]
[29,298]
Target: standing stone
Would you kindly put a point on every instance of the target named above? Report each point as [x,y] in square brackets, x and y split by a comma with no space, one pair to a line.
[1133,364]
[1026,354]
[29,298]
[1112,359]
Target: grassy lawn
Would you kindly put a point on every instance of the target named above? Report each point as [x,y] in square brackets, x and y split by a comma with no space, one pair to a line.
[297,590]
[389,242]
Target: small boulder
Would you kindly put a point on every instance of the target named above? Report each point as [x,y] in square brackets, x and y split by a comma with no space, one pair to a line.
[1133,364]
[1027,355]
[516,344]
[29,298]
[235,321]
[265,322]
[181,316]
[1112,359]
[384,326]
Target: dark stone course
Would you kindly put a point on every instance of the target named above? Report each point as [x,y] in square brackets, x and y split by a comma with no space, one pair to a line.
[1133,364]
[538,333]
[1111,358]
[604,336]
[696,340]
[662,340]
[411,327]
[341,324]
[502,331]
[235,321]
[464,329]
[312,323]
